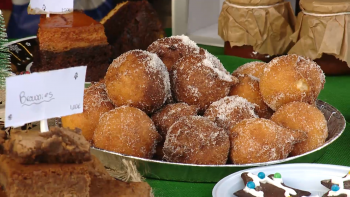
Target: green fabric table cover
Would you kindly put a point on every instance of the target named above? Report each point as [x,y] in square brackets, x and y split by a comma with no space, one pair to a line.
[336,93]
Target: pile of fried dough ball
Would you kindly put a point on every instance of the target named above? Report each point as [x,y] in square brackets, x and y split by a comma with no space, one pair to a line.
[176,102]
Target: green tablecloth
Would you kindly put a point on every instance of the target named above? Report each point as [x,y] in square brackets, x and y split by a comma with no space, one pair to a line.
[336,93]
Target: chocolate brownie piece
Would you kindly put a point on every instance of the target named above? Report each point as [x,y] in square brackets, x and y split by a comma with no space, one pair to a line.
[59,145]
[109,188]
[42,180]
[267,186]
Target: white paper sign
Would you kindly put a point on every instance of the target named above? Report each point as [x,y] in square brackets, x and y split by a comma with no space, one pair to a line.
[44,95]
[50,6]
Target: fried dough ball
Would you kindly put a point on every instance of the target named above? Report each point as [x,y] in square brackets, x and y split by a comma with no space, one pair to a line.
[96,103]
[138,79]
[196,140]
[261,140]
[127,130]
[171,49]
[200,80]
[248,88]
[291,78]
[304,117]
[229,111]
[167,116]
[255,69]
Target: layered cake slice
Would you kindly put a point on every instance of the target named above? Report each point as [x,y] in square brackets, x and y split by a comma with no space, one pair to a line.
[69,40]
[132,25]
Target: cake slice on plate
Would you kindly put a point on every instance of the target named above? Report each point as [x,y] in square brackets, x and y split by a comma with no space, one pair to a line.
[70,40]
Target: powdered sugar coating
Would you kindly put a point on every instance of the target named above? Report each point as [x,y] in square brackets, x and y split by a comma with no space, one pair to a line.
[260,140]
[248,88]
[291,78]
[171,49]
[200,80]
[140,79]
[127,130]
[96,103]
[196,140]
[255,69]
[171,113]
[214,64]
[230,110]
[304,117]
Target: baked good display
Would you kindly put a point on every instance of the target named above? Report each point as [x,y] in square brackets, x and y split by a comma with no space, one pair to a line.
[132,25]
[200,80]
[96,103]
[248,88]
[304,117]
[196,140]
[52,175]
[255,69]
[127,130]
[173,48]
[59,145]
[139,79]
[69,40]
[261,140]
[267,186]
[291,78]
[167,116]
[229,111]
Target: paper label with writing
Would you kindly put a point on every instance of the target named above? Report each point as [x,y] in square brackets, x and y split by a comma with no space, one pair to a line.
[50,6]
[44,95]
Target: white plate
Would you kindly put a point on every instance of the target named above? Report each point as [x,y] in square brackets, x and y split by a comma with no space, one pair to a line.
[300,176]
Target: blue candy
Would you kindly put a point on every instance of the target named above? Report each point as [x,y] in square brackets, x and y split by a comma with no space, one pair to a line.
[251,185]
[335,188]
[261,175]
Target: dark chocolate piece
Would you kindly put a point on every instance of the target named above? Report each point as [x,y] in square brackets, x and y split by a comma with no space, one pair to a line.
[59,145]
[341,195]
[340,186]
[95,58]
[268,189]
[135,25]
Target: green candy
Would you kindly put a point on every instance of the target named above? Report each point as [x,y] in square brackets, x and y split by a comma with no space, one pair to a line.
[277,175]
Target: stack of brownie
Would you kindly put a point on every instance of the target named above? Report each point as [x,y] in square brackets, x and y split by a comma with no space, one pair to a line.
[57,163]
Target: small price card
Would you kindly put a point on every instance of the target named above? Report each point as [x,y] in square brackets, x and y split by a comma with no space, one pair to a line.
[50,6]
[44,95]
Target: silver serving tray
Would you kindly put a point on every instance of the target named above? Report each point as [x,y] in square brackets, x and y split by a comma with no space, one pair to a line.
[213,173]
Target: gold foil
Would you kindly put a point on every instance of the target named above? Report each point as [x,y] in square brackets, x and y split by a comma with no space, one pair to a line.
[267,29]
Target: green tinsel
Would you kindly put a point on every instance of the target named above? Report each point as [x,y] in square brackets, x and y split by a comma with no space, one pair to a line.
[5,62]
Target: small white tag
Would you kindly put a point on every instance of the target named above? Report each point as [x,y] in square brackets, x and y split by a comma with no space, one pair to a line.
[50,6]
[45,95]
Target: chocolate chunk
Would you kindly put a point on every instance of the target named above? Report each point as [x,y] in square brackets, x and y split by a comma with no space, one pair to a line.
[59,145]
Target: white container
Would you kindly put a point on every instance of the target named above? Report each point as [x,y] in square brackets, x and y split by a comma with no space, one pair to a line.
[198,19]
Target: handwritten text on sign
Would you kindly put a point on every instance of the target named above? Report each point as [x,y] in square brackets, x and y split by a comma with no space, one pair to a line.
[50,6]
[45,95]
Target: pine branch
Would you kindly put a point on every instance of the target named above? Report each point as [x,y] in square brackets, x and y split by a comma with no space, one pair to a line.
[5,62]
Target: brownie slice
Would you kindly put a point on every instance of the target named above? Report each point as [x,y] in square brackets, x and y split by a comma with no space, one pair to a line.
[109,188]
[59,145]
[41,180]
